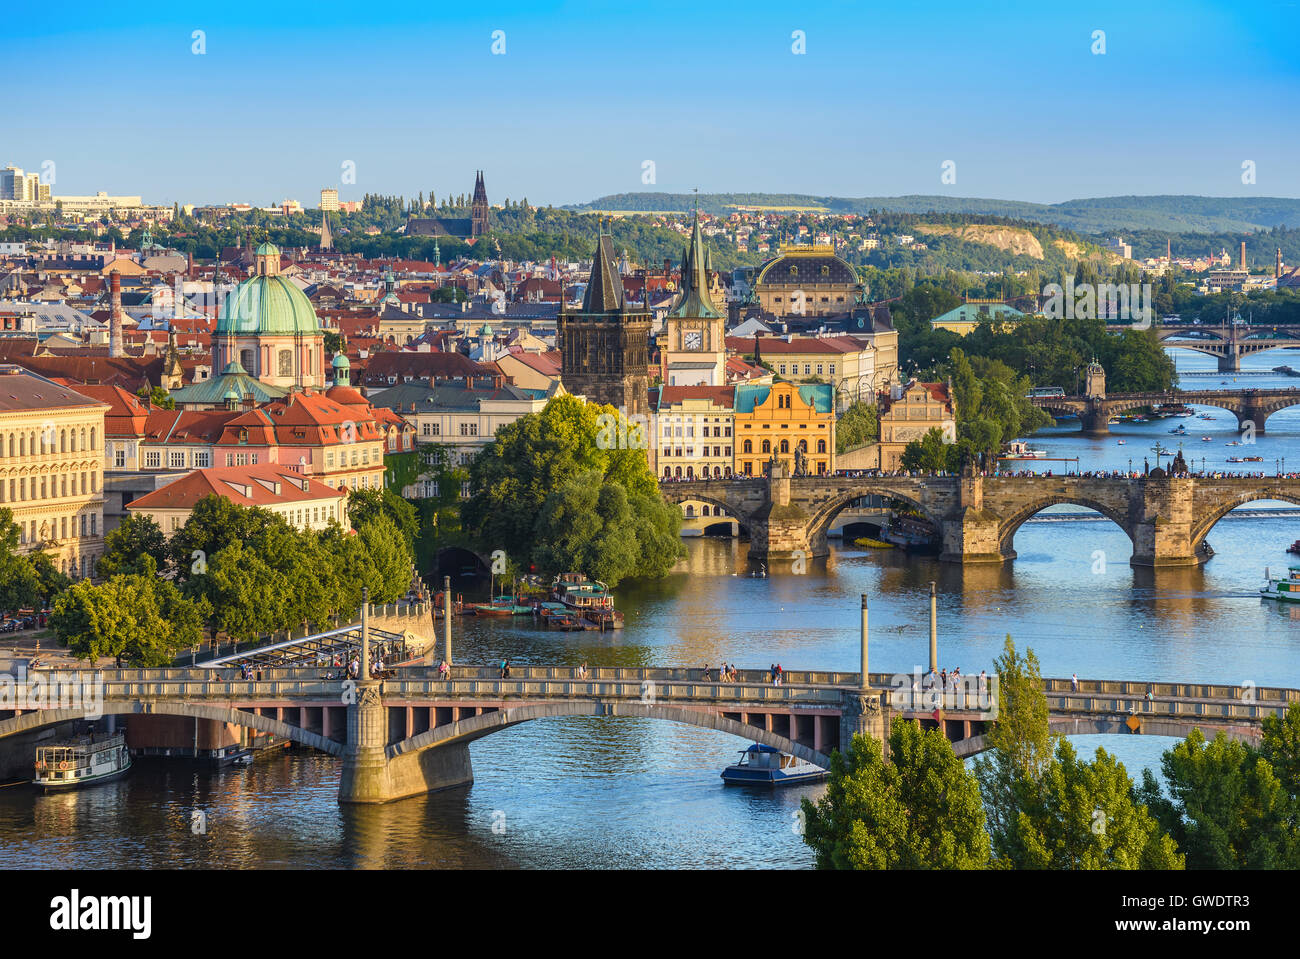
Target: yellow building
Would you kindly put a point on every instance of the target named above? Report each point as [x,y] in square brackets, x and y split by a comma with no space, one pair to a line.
[51,469]
[857,367]
[694,427]
[784,420]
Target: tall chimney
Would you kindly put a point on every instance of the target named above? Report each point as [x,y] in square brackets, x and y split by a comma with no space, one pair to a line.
[1243,255]
[1277,264]
[115,318]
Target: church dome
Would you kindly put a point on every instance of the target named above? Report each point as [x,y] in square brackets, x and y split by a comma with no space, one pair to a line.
[267,303]
[806,266]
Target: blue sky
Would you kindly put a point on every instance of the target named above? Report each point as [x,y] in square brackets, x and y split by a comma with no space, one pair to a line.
[712,93]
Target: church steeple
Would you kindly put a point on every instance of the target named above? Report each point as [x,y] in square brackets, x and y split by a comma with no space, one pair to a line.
[605,288]
[326,237]
[695,299]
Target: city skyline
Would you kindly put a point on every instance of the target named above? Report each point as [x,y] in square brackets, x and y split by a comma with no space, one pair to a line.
[577,98]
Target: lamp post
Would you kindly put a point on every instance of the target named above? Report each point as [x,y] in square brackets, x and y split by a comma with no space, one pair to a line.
[934,631]
[866,681]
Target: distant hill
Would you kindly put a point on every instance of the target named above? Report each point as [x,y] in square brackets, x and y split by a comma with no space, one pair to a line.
[1100,215]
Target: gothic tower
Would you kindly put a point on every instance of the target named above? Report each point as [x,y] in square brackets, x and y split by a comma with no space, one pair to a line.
[480,219]
[605,345]
[696,351]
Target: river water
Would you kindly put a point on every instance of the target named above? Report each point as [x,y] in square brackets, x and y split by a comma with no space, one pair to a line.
[619,792]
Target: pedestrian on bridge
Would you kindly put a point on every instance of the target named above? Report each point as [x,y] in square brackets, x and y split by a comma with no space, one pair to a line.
[1074,682]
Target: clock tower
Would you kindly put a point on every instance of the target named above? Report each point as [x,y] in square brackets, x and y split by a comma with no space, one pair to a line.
[696,351]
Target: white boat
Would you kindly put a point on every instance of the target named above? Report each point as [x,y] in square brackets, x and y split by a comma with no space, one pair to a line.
[1285,590]
[84,761]
[767,766]
[1021,451]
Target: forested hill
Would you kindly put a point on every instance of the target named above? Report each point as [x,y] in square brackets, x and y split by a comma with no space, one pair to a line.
[1175,214]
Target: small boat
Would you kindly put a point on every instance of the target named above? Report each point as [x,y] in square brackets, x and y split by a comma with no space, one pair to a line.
[1021,451]
[1294,547]
[501,606]
[1252,459]
[870,543]
[1179,431]
[767,766]
[84,761]
[1233,443]
[1121,442]
[1207,439]
[1285,590]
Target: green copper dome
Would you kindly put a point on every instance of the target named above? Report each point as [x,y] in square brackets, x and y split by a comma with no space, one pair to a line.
[268,249]
[268,304]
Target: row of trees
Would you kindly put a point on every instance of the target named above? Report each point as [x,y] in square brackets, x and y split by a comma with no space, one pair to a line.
[241,571]
[1031,802]
[27,581]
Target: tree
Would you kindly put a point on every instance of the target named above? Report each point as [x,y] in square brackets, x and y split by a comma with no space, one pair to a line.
[1226,807]
[367,504]
[921,810]
[157,396]
[537,456]
[1046,808]
[137,536]
[390,555]
[139,617]
[928,453]
[859,424]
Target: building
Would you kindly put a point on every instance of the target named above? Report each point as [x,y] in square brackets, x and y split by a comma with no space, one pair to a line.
[51,469]
[329,200]
[970,314]
[304,502]
[268,326]
[806,281]
[694,427]
[475,225]
[856,367]
[792,423]
[695,350]
[907,413]
[605,345]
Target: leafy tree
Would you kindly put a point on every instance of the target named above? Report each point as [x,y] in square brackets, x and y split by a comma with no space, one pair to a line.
[391,556]
[368,504]
[333,342]
[858,424]
[125,547]
[921,810]
[538,455]
[141,618]
[1226,807]
[928,453]
[158,396]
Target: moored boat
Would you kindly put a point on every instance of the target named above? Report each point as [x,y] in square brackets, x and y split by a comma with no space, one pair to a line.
[587,598]
[767,766]
[83,761]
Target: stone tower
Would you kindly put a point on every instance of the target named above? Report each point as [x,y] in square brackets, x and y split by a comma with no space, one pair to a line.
[1094,381]
[605,345]
[480,217]
[696,351]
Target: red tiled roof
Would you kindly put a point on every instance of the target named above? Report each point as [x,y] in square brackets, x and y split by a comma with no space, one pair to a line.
[263,485]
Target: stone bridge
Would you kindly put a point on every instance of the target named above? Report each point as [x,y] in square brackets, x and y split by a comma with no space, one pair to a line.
[408,733]
[1227,343]
[1094,412]
[1166,518]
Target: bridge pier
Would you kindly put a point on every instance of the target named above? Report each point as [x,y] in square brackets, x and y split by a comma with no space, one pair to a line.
[1253,415]
[370,776]
[863,713]
[970,534]
[1095,420]
[1230,361]
[1162,537]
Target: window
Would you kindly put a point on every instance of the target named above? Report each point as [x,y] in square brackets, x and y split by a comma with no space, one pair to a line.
[464,490]
[819,369]
[767,446]
[807,368]
[832,369]
[726,431]
[821,446]
[782,368]
[153,459]
[177,459]
[119,457]
[286,363]
[469,429]
[202,459]
[230,459]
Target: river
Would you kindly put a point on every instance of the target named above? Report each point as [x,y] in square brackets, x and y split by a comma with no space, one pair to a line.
[620,792]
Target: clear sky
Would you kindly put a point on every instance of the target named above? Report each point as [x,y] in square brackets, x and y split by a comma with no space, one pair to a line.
[713,93]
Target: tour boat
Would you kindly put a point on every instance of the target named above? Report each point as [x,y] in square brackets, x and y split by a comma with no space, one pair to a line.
[83,761]
[1287,590]
[590,599]
[766,766]
[1179,431]
[556,616]
[1294,547]
[1021,451]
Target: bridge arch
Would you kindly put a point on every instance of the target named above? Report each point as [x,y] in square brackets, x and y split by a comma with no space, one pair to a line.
[476,727]
[1206,521]
[832,507]
[678,493]
[39,718]
[1010,526]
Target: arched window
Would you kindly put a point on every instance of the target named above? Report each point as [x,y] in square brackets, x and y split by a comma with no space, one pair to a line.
[246,361]
[690,472]
[704,511]
[668,471]
[767,446]
[286,363]
[93,444]
[785,446]
[803,445]
[821,446]
[690,511]
[678,472]
[749,446]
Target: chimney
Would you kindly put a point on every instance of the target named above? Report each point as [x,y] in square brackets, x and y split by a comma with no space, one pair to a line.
[1277,264]
[1243,255]
[115,318]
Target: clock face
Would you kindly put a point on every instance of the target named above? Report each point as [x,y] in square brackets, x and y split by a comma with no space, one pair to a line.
[693,340]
